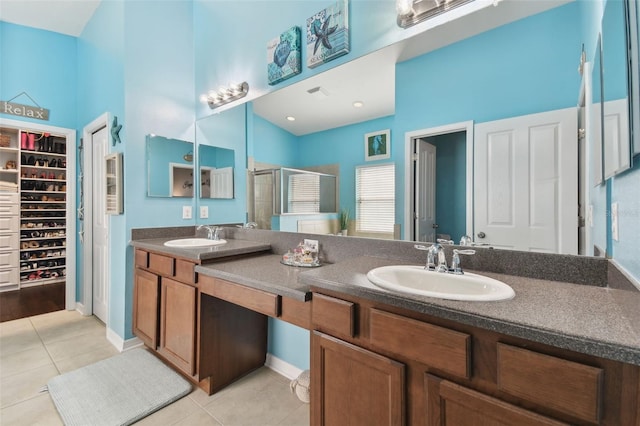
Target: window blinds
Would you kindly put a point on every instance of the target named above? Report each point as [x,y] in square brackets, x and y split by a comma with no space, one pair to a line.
[375,198]
[304,193]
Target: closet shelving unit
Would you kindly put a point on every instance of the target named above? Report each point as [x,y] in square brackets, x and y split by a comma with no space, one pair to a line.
[38,227]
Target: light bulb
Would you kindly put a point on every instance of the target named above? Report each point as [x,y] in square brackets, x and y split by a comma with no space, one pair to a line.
[404,7]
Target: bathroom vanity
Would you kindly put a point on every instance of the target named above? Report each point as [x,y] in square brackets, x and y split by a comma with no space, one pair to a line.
[558,353]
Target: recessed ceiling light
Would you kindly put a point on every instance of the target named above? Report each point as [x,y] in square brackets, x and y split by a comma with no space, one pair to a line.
[358,104]
[291,118]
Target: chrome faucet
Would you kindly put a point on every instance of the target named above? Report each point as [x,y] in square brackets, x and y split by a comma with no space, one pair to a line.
[437,261]
[435,253]
[212,231]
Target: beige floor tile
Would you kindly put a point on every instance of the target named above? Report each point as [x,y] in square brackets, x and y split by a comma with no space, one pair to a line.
[19,362]
[299,417]
[35,411]
[22,386]
[256,400]
[73,363]
[55,318]
[10,328]
[199,418]
[71,327]
[78,345]
[19,339]
[173,413]
[257,380]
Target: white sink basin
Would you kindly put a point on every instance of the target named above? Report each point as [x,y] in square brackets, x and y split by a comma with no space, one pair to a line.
[194,242]
[416,280]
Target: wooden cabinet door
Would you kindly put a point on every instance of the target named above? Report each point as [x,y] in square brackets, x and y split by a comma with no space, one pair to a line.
[455,405]
[178,324]
[353,386]
[146,290]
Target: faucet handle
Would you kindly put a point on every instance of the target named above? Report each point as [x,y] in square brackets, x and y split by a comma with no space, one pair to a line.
[466,241]
[421,247]
[443,241]
[455,260]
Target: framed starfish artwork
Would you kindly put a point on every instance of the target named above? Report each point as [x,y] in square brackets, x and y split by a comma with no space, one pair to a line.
[283,56]
[328,34]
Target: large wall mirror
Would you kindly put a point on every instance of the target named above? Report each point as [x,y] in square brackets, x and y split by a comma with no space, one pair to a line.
[615,87]
[169,167]
[405,91]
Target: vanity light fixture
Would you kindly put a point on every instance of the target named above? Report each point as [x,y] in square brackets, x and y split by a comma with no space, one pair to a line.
[358,104]
[412,12]
[226,94]
[188,157]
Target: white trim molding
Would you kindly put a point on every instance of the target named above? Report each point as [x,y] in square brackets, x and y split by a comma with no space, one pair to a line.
[282,367]
[120,344]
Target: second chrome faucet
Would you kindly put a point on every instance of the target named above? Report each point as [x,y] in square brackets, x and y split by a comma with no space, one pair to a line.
[437,260]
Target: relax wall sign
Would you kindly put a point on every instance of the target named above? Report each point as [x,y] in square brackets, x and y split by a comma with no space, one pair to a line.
[24,110]
[12,108]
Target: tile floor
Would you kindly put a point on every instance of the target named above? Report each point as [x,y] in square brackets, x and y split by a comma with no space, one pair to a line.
[35,349]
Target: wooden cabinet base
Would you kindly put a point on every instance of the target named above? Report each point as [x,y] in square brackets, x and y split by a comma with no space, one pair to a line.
[232,341]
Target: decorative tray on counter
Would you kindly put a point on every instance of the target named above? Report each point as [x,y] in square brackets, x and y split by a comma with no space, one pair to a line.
[300,264]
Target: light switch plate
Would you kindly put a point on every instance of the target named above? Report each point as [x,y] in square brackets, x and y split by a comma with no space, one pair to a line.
[187,212]
[614,222]
[204,212]
[590,216]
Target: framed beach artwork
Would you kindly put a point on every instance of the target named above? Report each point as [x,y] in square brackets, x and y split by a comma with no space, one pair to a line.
[328,34]
[377,145]
[283,56]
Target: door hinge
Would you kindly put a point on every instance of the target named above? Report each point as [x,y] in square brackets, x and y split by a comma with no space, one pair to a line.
[414,157]
[581,134]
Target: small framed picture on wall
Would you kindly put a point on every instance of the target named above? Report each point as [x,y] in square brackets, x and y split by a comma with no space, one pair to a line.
[377,145]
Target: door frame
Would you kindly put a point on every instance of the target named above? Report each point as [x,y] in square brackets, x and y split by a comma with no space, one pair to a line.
[86,305]
[70,260]
[409,174]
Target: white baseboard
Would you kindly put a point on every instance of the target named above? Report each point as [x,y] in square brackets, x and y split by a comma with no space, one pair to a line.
[120,344]
[282,367]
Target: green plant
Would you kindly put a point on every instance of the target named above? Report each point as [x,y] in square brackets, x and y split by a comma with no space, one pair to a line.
[344,218]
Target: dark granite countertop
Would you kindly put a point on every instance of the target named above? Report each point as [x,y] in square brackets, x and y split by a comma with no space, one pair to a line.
[264,272]
[203,254]
[598,321]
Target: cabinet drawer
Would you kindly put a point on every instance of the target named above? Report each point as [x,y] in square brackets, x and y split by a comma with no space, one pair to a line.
[142,259]
[296,312]
[562,385]
[9,209]
[438,347]
[8,276]
[9,259]
[251,298]
[185,271]
[164,265]
[9,241]
[9,223]
[332,315]
[9,198]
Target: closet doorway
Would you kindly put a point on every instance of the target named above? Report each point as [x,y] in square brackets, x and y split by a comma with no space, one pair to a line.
[95,223]
[439,187]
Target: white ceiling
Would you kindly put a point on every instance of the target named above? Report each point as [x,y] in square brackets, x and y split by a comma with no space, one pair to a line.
[61,16]
[370,79]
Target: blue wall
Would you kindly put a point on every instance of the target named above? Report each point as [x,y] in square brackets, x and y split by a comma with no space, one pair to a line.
[44,65]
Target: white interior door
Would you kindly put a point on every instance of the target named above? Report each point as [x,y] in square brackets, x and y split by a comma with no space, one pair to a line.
[526,182]
[425,191]
[100,226]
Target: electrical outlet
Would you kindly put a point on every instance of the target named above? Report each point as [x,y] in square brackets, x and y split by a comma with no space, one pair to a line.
[590,216]
[614,222]
[186,212]
[204,212]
